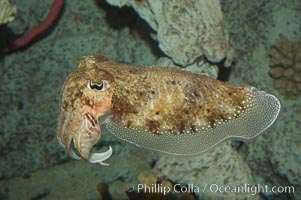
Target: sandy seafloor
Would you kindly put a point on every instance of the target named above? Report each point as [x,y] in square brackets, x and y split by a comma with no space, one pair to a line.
[34,166]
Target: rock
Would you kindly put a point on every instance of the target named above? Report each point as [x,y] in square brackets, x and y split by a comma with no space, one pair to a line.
[220,167]
[186,30]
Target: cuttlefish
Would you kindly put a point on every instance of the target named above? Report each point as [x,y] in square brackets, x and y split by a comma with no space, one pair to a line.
[165,109]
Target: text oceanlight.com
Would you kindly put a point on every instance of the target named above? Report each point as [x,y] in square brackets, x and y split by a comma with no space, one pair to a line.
[214,188]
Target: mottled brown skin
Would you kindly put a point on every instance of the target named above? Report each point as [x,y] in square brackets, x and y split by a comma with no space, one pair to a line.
[161,98]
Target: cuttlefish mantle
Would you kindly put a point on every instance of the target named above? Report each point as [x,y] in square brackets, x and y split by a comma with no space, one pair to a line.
[168,110]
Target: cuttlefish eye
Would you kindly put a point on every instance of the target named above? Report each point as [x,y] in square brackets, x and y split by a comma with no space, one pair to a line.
[103,85]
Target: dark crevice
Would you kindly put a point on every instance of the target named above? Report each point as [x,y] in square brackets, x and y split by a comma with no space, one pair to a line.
[126,17]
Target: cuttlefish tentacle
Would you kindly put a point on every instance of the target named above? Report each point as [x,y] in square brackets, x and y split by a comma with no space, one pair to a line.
[168,110]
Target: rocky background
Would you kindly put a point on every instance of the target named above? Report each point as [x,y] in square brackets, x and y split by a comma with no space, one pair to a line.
[244,42]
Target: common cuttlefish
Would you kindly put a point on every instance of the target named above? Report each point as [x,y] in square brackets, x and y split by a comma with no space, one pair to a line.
[160,108]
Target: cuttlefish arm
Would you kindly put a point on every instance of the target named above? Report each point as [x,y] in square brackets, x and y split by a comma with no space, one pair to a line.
[84,98]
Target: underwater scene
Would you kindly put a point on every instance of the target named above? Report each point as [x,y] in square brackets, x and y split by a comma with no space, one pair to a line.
[150,100]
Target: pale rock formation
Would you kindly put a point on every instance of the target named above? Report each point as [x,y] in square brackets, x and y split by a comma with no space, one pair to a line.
[186,30]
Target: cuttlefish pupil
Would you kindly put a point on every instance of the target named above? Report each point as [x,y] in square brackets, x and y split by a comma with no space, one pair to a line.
[96,86]
[168,110]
